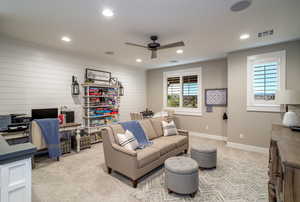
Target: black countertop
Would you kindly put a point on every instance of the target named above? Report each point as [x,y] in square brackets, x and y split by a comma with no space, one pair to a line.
[10,153]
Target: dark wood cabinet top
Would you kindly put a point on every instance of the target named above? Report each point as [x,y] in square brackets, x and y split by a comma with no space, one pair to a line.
[288,143]
[68,125]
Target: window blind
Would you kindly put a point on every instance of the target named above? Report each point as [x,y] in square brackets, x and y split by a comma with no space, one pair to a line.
[173,91]
[190,91]
[190,85]
[265,81]
[173,85]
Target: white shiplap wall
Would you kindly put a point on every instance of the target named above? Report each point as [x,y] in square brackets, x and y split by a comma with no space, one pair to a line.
[37,77]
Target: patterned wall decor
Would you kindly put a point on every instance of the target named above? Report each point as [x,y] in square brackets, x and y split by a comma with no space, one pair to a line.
[216,97]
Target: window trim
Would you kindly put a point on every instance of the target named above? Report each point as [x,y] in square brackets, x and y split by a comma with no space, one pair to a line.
[280,57]
[180,73]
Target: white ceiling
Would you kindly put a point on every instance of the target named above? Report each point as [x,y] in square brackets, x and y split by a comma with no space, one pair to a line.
[208,27]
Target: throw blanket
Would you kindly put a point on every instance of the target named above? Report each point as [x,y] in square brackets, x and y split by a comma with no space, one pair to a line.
[138,132]
[49,128]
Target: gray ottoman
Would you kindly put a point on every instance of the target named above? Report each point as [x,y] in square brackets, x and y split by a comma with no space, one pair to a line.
[182,175]
[205,155]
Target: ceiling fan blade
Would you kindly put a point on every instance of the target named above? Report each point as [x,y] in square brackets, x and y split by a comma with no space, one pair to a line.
[133,44]
[153,54]
[172,45]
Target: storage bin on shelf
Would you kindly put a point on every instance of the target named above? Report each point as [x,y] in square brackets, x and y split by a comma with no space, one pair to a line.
[65,142]
[85,141]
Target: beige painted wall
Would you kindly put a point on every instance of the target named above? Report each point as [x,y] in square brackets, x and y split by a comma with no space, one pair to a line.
[214,75]
[256,126]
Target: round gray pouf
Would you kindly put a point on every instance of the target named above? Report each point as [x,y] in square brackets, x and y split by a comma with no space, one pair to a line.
[182,175]
[205,155]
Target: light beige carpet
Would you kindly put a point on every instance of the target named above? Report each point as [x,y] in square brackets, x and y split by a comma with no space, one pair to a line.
[83,177]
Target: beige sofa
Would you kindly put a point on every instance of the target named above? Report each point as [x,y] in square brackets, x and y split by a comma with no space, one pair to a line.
[135,164]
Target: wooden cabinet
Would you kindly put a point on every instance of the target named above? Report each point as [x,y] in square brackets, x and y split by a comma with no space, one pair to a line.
[284,165]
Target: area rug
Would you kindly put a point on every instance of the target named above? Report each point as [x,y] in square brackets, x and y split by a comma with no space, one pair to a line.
[234,180]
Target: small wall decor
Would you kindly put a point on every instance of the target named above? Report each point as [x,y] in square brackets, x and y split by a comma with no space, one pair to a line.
[121,89]
[225,117]
[75,86]
[113,81]
[92,75]
[216,97]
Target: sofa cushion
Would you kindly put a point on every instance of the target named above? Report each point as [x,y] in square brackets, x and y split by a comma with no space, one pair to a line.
[148,129]
[179,140]
[163,145]
[117,128]
[127,140]
[147,155]
[169,128]
[157,125]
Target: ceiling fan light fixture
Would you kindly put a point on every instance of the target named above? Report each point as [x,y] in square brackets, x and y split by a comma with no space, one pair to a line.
[179,51]
[154,46]
[107,12]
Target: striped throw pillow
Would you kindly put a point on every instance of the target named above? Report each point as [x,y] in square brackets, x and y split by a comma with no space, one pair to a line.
[127,140]
[169,128]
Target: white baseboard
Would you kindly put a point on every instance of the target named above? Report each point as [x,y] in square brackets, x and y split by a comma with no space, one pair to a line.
[204,135]
[231,144]
[248,147]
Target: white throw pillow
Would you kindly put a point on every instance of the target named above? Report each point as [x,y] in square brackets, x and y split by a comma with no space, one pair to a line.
[169,128]
[127,140]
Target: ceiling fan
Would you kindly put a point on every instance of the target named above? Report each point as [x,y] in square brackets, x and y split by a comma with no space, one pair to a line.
[155,46]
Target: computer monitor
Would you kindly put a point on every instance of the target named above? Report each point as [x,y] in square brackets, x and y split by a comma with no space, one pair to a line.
[44,113]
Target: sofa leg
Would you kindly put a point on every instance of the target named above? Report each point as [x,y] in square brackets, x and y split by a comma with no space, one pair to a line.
[193,194]
[134,183]
[109,170]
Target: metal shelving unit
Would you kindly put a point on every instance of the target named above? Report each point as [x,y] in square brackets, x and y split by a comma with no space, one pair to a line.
[103,111]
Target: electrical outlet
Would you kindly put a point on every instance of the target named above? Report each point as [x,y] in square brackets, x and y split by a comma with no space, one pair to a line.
[241,136]
[206,127]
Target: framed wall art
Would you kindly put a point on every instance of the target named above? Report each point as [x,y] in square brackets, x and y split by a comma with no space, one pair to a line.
[92,75]
[216,97]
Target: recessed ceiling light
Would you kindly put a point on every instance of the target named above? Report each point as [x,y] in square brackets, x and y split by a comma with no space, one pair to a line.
[240,5]
[107,12]
[139,60]
[180,51]
[66,39]
[244,36]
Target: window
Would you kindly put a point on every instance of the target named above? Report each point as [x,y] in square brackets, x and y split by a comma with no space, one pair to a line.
[182,91]
[266,75]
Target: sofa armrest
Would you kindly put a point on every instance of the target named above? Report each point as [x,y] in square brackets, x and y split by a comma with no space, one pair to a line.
[183,132]
[123,150]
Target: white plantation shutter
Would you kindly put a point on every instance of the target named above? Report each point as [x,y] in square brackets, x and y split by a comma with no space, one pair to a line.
[173,91]
[190,91]
[265,81]
[173,85]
